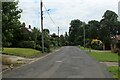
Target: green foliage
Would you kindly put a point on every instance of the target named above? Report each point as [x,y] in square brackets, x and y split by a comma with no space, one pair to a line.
[16,34]
[114,70]
[118,45]
[7,44]
[109,27]
[25,33]
[74,31]
[26,44]
[82,48]
[38,47]
[103,30]
[47,40]
[96,44]
[10,21]
[93,29]
[54,40]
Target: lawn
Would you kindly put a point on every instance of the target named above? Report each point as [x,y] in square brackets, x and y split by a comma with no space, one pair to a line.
[114,70]
[23,52]
[104,56]
[82,48]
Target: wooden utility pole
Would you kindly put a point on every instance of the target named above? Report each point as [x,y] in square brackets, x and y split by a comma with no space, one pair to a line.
[84,37]
[41,4]
[58,36]
[58,31]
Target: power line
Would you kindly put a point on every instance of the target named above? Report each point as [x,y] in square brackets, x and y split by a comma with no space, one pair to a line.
[50,16]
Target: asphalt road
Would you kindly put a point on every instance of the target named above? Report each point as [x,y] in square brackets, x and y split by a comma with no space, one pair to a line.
[68,62]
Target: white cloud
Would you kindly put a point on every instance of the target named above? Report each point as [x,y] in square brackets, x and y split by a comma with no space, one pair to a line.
[63,12]
[30,14]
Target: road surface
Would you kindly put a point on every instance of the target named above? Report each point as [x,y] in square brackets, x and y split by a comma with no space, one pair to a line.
[68,62]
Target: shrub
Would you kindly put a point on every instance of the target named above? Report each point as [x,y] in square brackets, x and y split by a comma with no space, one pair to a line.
[96,44]
[6,44]
[38,47]
[46,49]
[118,45]
[26,44]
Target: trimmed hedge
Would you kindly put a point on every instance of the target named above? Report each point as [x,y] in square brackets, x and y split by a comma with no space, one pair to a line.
[26,44]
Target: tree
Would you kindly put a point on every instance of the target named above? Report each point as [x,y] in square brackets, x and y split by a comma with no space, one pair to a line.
[93,29]
[74,31]
[54,40]
[10,22]
[25,33]
[66,39]
[47,40]
[62,40]
[108,27]
[34,36]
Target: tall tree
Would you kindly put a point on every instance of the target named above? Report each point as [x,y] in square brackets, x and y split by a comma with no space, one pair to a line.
[108,27]
[62,40]
[93,29]
[66,38]
[74,31]
[54,40]
[10,22]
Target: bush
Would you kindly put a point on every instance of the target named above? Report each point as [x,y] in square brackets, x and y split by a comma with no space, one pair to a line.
[46,49]
[118,45]
[26,44]
[6,44]
[38,47]
[96,44]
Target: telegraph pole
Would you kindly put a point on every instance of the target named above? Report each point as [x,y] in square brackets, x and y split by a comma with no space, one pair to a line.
[58,31]
[83,25]
[84,36]
[58,35]
[41,5]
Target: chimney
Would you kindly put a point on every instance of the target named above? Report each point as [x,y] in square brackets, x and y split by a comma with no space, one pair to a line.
[29,26]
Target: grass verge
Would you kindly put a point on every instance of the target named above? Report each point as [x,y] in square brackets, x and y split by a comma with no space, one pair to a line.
[104,56]
[82,48]
[114,70]
[23,52]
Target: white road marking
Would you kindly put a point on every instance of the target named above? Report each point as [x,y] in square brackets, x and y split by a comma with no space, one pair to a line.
[59,61]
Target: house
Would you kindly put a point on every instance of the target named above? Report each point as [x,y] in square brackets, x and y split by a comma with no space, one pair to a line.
[25,32]
[114,44]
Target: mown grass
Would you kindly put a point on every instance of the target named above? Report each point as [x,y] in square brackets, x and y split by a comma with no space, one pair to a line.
[115,71]
[23,52]
[83,48]
[104,56]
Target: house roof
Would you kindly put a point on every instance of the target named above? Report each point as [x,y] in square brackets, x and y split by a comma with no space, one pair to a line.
[117,37]
[25,30]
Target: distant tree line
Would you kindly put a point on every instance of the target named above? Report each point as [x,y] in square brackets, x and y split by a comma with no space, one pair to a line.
[15,34]
[102,30]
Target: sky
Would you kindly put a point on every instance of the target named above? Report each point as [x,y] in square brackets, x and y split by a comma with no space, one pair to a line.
[63,11]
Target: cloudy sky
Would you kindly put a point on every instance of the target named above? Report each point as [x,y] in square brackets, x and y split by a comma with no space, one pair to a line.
[63,11]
